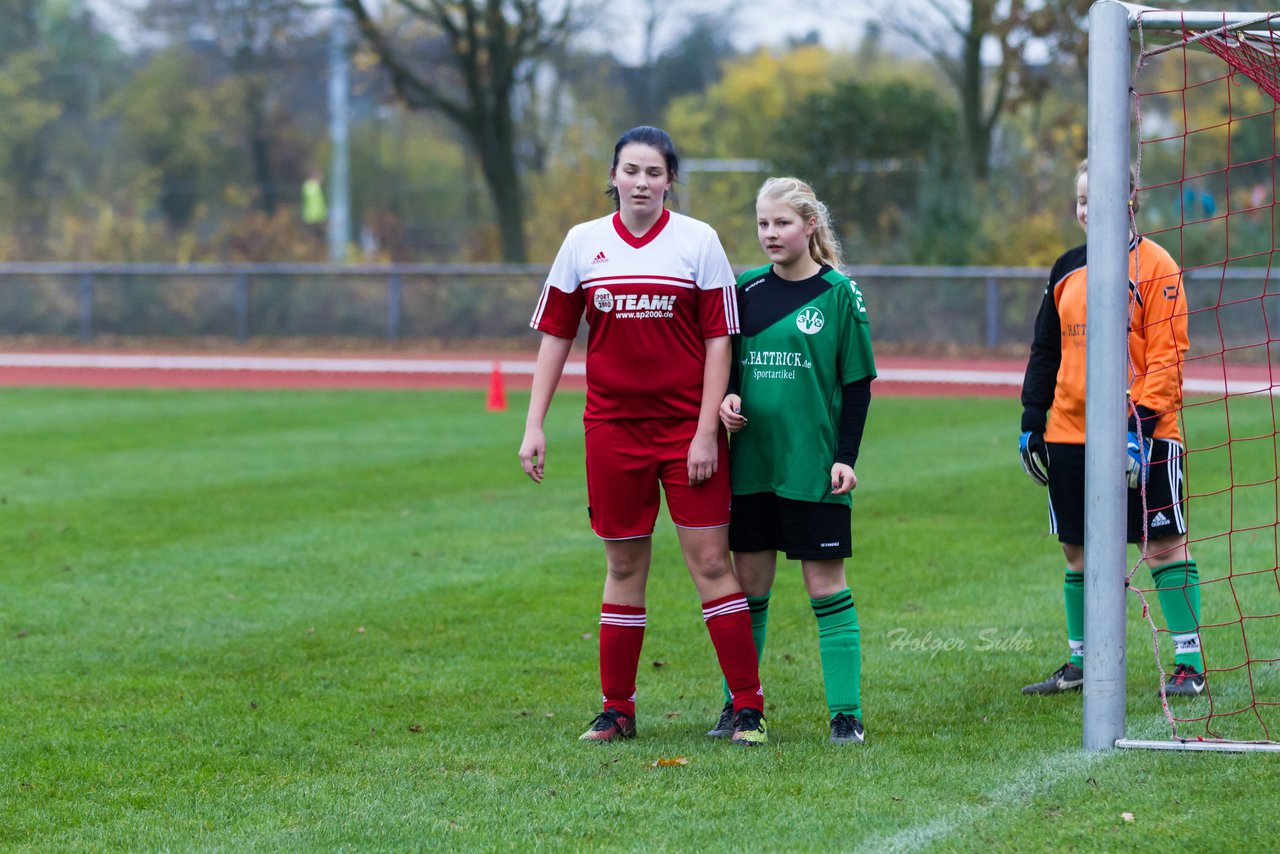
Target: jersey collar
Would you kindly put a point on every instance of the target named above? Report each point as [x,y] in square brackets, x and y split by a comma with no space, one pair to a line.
[646,238]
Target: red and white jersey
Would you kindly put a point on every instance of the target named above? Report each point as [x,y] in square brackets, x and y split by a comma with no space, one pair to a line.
[650,302]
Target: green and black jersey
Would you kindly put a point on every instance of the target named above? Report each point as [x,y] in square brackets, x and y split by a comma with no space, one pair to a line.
[803,345]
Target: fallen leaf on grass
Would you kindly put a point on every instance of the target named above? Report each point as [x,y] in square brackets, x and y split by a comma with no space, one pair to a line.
[360,630]
[549,714]
[415,727]
[673,714]
[22,633]
[659,664]
[587,636]
[663,762]
[1127,816]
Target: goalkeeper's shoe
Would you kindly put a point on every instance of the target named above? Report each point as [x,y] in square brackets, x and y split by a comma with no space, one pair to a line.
[1068,677]
[1186,681]
[749,729]
[847,729]
[610,725]
[724,726]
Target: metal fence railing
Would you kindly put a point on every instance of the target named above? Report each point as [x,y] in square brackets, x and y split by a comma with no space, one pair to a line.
[985,307]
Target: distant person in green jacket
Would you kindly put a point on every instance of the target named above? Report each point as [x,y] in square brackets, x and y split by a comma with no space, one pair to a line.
[315,211]
[796,407]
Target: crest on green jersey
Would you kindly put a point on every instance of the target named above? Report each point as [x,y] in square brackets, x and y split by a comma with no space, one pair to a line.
[810,321]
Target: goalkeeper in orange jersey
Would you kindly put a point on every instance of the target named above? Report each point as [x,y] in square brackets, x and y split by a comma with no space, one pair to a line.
[796,407]
[1053,440]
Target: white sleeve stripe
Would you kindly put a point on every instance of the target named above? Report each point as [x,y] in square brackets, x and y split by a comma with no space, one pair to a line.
[542,306]
[731,309]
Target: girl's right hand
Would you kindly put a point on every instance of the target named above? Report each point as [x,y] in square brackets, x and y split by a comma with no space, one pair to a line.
[533,453]
[731,413]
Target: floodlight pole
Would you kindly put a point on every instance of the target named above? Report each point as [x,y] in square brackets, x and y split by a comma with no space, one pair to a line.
[339,229]
[1105,376]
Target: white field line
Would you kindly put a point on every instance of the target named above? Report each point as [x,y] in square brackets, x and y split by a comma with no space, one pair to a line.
[338,365]
[286,364]
[1032,781]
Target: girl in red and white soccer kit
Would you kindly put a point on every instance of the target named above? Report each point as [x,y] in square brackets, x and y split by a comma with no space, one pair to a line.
[658,295]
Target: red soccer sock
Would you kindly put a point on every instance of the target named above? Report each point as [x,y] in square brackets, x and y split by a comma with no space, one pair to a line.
[621,636]
[729,623]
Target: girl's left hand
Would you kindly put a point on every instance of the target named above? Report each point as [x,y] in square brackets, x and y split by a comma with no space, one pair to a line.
[703,458]
[843,479]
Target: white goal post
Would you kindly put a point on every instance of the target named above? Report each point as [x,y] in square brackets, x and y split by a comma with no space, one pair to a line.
[1110,109]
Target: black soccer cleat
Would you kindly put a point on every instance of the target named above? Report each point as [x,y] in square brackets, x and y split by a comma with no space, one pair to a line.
[724,726]
[1186,681]
[847,729]
[1068,677]
[750,729]
[610,725]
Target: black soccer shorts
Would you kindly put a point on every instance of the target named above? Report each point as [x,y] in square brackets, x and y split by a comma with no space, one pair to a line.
[1166,505]
[804,530]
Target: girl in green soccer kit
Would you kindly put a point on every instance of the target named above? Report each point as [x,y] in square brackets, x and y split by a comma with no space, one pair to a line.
[796,407]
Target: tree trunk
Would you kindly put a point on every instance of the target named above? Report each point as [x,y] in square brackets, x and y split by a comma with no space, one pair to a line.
[260,143]
[493,135]
[977,137]
[498,164]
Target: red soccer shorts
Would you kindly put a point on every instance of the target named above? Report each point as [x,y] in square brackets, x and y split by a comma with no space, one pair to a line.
[626,460]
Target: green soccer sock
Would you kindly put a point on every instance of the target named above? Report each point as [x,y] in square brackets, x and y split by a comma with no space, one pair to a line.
[1178,585]
[1073,596]
[840,648]
[759,608]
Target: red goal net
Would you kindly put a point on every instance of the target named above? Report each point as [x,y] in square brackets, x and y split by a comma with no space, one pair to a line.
[1206,151]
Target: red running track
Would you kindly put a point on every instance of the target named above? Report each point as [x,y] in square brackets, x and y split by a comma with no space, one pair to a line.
[898,375]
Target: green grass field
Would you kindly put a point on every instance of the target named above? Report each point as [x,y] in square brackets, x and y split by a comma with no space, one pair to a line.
[335,620]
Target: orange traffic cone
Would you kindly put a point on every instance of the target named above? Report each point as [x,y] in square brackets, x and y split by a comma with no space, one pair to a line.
[497,401]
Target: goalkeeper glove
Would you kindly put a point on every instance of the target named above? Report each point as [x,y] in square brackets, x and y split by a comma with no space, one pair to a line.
[1035,457]
[1138,462]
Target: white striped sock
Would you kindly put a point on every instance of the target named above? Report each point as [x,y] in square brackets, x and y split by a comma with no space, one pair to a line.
[608,618]
[733,606]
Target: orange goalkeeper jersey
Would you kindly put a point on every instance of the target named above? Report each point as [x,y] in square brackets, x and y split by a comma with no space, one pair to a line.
[1054,387]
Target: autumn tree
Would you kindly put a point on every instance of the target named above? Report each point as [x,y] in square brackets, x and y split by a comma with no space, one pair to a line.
[55,67]
[867,147]
[1005,31]
[256,40]
[468,60]
[170,126]
[733,119]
